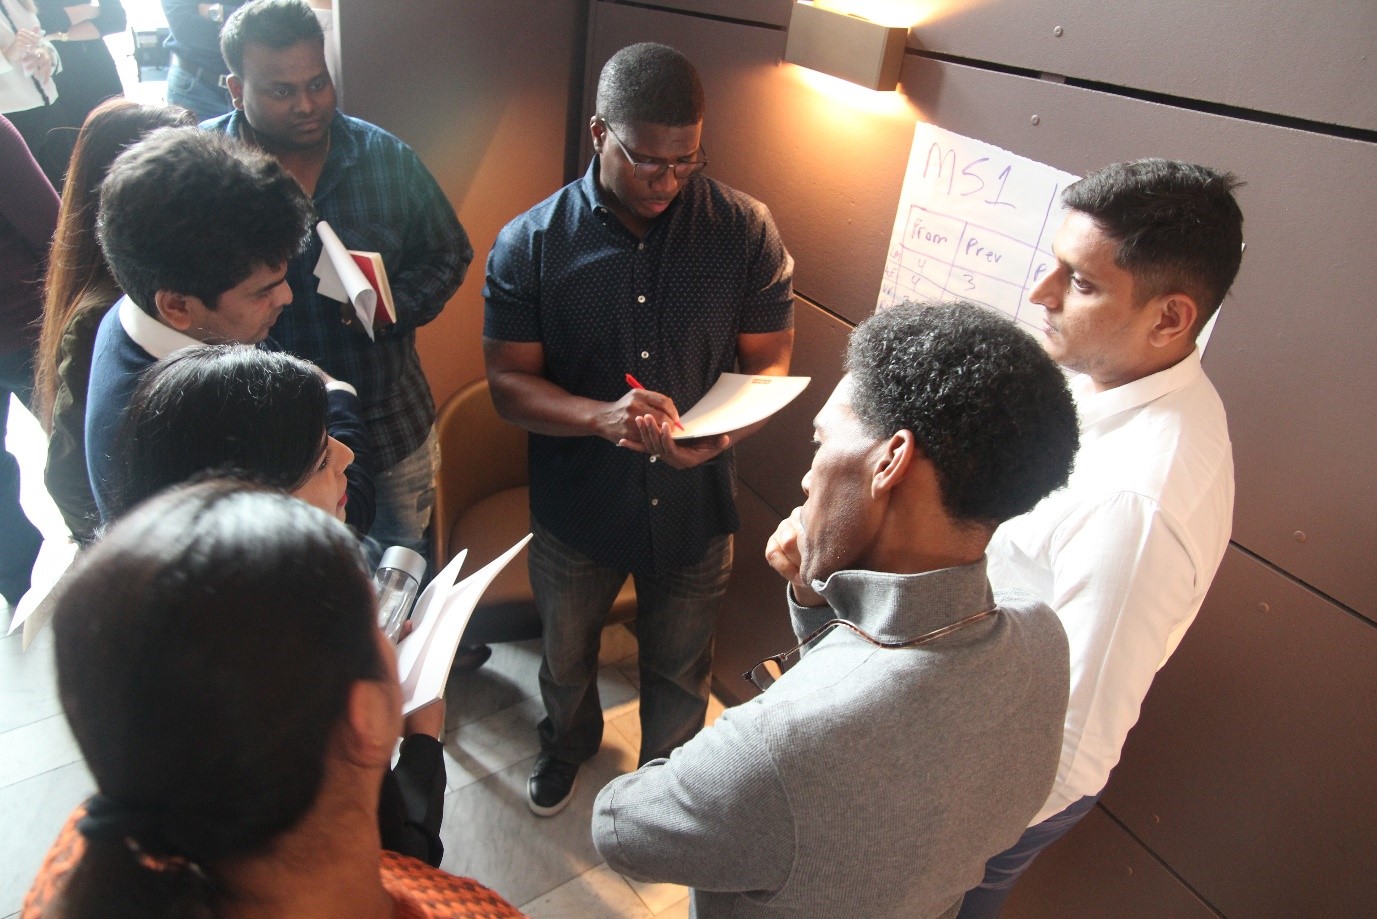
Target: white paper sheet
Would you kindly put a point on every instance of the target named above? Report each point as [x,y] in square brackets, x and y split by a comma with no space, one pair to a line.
[736,400]
[974,223]
[424,657]
[341,279]
[32,612]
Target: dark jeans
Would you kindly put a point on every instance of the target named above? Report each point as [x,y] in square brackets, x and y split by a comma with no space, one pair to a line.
[1004,870]
[19,539]
[201,99]
[675,617]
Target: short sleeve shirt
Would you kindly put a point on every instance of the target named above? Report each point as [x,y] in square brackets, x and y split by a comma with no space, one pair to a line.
[666,309]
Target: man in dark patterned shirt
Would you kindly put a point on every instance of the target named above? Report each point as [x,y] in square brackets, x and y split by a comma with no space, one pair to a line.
[643,269]
[377,196]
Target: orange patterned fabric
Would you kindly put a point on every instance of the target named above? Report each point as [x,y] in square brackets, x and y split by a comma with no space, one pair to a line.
[420,891]
[423,892]
[62,856]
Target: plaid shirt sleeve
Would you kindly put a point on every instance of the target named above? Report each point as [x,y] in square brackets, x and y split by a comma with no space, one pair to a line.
[436,250]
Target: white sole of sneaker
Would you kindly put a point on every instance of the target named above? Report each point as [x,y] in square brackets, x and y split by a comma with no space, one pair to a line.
[554,809]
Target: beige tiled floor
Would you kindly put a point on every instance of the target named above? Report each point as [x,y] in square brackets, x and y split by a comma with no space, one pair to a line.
[547,866]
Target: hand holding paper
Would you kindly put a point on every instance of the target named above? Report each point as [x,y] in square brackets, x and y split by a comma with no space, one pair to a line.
[737,400]
[356,278]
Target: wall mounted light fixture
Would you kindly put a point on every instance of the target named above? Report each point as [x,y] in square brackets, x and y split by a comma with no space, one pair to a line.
[845,45]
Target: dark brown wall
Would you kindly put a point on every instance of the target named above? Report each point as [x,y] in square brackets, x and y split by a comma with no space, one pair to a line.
[481,89]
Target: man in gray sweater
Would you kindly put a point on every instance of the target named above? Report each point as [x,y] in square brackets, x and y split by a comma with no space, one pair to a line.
[917,737]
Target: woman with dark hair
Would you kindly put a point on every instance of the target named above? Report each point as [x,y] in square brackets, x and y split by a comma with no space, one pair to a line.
[222,672]
[231,409]
[80,290]
[260,416]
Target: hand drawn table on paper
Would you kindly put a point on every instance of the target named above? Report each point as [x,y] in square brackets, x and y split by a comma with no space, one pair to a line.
[974,223]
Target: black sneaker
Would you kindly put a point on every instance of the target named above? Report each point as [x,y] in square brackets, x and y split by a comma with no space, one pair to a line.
[551,785]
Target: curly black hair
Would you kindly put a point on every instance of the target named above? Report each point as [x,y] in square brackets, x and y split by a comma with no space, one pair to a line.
[1178,227]
[197,212]
[985,403]
[652,83]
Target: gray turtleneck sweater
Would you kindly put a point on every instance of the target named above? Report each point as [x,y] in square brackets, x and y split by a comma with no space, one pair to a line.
[866,782]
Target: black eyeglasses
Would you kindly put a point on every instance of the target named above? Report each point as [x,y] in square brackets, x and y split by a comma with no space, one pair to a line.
[652,171]
[764,674]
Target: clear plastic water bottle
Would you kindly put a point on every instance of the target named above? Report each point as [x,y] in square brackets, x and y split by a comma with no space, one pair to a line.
[397,580]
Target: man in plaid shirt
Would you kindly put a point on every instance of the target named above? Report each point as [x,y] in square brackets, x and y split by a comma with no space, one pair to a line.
[377,196]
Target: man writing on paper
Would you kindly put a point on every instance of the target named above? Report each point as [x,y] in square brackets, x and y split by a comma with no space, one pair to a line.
[1126,551]
[642,267]
[197,230]
[875,777]
[378,197]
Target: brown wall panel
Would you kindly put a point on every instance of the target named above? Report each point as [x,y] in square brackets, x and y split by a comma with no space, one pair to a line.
[766,12]
[481,90]
[754,622]
[1097,870]
[773,461]
[1312,60]
[1249,771]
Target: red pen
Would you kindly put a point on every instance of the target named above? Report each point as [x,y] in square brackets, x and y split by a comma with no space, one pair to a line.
[636,384]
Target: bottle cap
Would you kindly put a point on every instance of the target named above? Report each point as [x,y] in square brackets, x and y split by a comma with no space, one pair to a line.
[404,559]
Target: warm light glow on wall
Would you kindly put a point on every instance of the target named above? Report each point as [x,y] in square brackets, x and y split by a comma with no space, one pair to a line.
[904,13]
[848,97]
[907,13]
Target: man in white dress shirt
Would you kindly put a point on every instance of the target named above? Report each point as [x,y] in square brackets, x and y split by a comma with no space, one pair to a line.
[1126,551]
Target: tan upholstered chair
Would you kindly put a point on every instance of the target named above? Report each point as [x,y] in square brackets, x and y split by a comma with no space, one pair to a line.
[482,504]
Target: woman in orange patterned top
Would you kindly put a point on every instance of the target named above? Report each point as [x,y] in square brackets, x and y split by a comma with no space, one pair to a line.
[221,668]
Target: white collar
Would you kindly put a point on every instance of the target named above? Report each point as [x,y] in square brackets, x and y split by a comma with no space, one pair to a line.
[1095,407]
[151,335]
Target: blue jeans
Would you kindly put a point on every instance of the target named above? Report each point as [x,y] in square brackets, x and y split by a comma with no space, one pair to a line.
[676,613]
[406,496]
[201,99]
[1004,870]
[19,539]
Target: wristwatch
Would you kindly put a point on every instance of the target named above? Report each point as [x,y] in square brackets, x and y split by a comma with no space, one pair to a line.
[215,12]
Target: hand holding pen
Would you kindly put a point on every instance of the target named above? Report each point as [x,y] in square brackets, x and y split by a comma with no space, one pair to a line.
[656,439]
[636,384]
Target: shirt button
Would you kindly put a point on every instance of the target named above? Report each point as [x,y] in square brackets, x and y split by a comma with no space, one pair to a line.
[641,298]
[645,354]
[654,501]
[640,246]
[654,459]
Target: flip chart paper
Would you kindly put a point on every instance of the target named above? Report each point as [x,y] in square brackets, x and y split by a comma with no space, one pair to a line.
[974,223]
[736,400]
